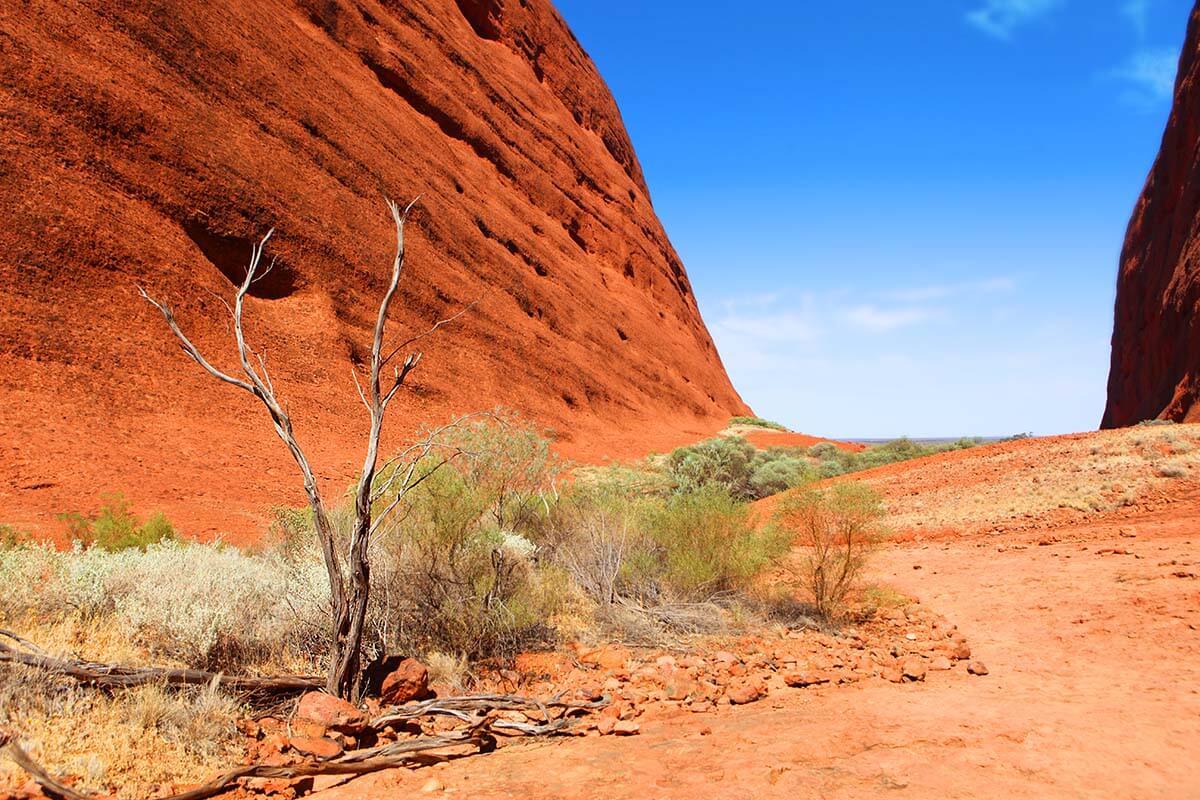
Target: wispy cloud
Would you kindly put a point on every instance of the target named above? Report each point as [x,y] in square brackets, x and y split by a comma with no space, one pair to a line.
[1138,13]
[881,320]
[1149,75]
[999,18]
[772,327]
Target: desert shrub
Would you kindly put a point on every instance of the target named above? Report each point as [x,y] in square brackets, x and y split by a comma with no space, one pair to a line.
[774,473]
[595,537]
[695,545]
[457,571]
[733,465]
[231,610]
[115,527]
[830,468]
[203,605]
[757,422]
[1171,469]
[823,450]
[722,462]
[891,452]
[837,528]
[1151,423]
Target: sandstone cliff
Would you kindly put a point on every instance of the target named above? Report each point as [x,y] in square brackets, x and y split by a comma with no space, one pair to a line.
[151,143]
[1156,336]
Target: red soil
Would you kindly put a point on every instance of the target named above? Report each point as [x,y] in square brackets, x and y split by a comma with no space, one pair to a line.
[151,144]
[1092,643]
[1156,337]
[764,438]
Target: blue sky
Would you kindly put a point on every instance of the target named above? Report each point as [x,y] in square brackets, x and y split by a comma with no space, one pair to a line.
[898,217]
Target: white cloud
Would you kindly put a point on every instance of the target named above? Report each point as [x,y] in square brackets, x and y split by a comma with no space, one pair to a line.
[1150,73]
[998,18]
[881,320]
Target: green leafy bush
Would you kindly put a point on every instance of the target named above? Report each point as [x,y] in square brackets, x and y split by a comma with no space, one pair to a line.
[697,544]
[723,462]
[456,571]
[732,464]
[115,527]
[774,473]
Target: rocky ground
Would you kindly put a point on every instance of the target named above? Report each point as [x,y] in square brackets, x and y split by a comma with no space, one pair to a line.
[1057,659]
[1091,637]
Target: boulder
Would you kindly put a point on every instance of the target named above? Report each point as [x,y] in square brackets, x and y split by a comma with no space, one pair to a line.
[408,681]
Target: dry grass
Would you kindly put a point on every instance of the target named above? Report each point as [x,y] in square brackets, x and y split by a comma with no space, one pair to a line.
[133,743]
[1011,482]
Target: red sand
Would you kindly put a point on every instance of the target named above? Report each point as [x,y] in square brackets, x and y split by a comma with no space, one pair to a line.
[764,438]
[1093,648]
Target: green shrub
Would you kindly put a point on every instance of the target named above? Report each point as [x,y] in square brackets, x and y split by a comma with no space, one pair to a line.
[723,462]
[1151,423]
[836,529]
[824,450]
[771,474]
[115,527]
[757,422]
[698,544]
[456,570]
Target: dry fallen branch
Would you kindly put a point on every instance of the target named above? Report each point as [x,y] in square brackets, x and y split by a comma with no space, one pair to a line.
[462,708]
[479,732]
[114,676]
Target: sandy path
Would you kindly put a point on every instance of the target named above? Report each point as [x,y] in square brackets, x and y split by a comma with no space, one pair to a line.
[1094,691]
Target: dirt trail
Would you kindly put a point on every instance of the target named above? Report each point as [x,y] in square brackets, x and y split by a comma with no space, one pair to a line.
[1093,691]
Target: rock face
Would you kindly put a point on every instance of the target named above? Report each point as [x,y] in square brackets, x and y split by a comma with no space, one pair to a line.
[151,143]
[1155,369]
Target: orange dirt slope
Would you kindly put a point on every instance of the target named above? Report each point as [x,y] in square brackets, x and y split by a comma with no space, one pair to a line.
[151,144]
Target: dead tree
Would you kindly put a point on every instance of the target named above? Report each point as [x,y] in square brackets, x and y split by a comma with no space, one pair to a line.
[349,572]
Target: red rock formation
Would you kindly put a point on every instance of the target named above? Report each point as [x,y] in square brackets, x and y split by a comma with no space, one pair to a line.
[1155,369]
[151,143]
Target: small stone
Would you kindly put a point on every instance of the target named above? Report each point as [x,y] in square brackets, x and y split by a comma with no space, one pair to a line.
[606,725]
[941,663]
[321,748]
[626,728]
[432,785]
[798,680]
[893,674]
[610,657]
[914,669]
[977,668]
[742,693]
[330,712]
